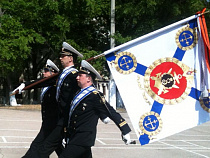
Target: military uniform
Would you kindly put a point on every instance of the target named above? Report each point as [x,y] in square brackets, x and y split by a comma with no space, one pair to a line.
[66,87]
[85,111]
[49,112]
[83,123]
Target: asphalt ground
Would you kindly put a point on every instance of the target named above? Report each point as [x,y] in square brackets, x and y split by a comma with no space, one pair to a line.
[18,127]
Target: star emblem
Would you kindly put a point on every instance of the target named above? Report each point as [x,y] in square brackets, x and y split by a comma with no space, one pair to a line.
[165,81]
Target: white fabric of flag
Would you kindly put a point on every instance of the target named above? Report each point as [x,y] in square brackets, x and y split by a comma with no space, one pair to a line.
[161,77]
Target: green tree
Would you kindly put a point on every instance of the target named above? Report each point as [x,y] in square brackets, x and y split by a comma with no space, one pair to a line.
[33,31]
[135,18]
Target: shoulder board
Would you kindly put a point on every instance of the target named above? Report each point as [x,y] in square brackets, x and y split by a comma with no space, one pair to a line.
[73,72]
[95,92]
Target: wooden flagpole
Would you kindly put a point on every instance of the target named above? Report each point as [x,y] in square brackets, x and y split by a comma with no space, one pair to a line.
[35,83]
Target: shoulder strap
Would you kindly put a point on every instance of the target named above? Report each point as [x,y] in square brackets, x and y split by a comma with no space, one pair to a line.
[79,97]
[44,90]
[61,79]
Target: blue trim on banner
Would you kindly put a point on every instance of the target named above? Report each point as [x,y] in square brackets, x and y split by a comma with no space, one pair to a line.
[110,57]
[179,54]
[193,23]
[194,93]
[144,139]
[140,69]
[157,107]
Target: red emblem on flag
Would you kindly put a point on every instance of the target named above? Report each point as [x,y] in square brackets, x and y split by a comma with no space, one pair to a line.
[167,80]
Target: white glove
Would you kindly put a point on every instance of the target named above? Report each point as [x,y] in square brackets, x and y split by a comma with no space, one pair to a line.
[20,88]
[64,142]
[126,138]
[106,120]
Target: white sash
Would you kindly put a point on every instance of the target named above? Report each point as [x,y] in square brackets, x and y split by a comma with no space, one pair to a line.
[79,97]
[61,79]
[44,90]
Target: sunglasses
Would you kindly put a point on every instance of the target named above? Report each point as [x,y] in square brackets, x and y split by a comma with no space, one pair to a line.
[62,56]
[46,70]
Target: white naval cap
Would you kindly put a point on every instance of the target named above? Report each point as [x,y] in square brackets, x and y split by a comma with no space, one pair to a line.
[89,69]
[69,50]
[51,66]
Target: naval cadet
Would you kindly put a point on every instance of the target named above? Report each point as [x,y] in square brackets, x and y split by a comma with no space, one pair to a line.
[84,114]
[65,90]
[49,109]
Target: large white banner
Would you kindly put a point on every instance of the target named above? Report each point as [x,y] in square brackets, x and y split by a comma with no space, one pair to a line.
[161,78]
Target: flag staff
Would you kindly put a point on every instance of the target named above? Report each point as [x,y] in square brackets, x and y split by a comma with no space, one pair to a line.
[95,57]
[35,83]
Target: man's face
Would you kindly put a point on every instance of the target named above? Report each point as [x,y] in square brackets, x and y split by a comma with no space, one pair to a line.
[46,72]
[65,60]
[83,80]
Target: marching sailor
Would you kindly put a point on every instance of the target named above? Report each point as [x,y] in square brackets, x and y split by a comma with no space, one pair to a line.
[85,111]
[65,90]
[49,109]
[66,87]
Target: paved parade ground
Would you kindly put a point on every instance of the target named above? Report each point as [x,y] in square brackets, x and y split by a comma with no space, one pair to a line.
[19,127]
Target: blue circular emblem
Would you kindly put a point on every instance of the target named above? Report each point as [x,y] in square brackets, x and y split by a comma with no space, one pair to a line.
[150,123]
[125,62]
[186,38]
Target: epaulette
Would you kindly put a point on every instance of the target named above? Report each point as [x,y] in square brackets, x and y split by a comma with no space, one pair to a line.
[95,92]
[73,72]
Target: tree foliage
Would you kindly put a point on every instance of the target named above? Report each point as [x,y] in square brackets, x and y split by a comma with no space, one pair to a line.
[135,18]
[34,30]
